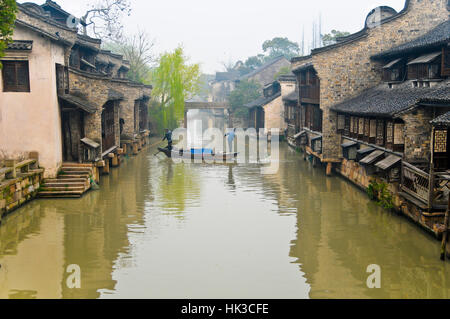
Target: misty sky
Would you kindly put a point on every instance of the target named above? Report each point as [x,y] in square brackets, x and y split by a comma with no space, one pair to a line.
[213,31]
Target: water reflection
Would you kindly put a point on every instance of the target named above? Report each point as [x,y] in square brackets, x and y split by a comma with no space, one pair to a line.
[163,230]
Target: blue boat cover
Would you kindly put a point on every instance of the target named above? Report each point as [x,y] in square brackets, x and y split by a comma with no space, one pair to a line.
[198,151]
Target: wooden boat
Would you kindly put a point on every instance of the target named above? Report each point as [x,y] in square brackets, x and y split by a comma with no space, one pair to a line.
[197,154]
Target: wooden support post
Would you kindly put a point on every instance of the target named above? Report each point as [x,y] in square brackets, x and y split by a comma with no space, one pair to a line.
[106,169]
[97,175]
[125,148]
[135,148]
[115,161]
[445,234]
[431,189]
[329,169]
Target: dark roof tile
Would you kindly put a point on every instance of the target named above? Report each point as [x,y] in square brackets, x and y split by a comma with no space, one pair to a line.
[438,36]
[383,101]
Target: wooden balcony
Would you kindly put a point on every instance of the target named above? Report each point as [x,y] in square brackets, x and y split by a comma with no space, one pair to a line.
[427,190]
[310,94]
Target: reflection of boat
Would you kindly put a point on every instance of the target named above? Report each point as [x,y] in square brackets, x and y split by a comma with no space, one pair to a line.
[199,154]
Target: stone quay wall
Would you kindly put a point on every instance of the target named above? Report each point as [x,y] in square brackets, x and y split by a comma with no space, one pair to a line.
[356,173]
[16,192]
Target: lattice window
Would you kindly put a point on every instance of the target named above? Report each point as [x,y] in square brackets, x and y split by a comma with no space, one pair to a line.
[399,137]
[440,141]
[380,132]
[367,127]
[389,132]
[373,128]
[361,126]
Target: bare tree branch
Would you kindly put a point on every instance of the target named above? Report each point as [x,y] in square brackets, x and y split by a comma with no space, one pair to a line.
[104,18]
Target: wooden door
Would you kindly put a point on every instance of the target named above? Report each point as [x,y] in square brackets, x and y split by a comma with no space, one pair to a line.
[108,132]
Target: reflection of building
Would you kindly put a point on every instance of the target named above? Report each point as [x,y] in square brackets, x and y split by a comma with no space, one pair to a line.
[32,254]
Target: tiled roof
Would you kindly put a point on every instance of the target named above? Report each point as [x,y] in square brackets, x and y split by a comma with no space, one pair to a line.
[303,67]
[79,102]
[438,36]
[19,45]
[262,101]
[442,120]
[291,97]
[383,101]
[261,68]
[287,78]
[227,76]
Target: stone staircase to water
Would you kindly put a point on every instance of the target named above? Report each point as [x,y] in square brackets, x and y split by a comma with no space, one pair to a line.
[72,182]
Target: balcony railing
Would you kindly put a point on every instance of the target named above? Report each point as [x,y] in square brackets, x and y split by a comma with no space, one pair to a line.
[430,189]
[415,182]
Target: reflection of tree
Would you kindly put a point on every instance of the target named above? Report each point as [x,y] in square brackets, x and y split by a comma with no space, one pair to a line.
[177,185]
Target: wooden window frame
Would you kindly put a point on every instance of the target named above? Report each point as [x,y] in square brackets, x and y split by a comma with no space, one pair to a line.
[16,87]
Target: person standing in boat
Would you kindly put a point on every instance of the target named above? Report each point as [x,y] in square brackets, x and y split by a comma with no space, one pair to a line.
[168,137]
[231,136]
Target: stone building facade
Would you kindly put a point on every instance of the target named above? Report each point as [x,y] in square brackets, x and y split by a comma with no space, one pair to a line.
[77,104]
[346,69]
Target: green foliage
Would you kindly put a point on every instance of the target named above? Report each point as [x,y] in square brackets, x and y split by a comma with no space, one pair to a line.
[174,81]
[8,10]
[283,71]
[331,38]
[281,46]
[272,49]
[245,92]
[380,193]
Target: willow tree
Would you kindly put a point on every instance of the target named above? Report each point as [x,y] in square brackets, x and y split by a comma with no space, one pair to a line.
[174,81]
[8,10]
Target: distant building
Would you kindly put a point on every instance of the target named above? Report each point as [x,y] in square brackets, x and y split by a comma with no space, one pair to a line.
[268,112]
[225,82]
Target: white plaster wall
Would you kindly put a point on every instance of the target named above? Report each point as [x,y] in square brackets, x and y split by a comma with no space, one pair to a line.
[30,121]
[274,115]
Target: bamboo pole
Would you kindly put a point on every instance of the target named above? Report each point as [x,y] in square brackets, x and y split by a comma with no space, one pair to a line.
[445,234]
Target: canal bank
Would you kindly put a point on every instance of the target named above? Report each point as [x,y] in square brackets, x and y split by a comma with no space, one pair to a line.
[388,194]
[162,230]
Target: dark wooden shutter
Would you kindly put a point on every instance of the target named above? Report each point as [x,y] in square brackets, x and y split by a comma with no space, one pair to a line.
[9,76]
[16,77]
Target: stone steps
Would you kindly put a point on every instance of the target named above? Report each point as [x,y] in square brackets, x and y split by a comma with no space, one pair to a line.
[72,182]
[64,184]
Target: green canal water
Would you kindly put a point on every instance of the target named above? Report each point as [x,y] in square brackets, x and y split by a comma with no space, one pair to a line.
[162,230]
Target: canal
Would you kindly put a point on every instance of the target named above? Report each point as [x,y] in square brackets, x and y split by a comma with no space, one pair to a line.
[162,230]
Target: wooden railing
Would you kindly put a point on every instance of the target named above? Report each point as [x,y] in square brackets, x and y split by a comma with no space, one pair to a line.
[415,182]
[430,189]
